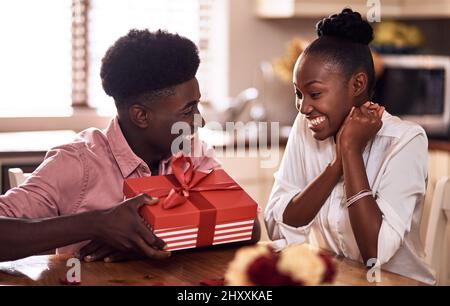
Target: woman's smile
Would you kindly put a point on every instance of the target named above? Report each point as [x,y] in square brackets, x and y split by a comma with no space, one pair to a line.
[317,123]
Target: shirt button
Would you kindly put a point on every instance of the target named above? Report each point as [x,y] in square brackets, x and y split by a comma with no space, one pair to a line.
[144,170]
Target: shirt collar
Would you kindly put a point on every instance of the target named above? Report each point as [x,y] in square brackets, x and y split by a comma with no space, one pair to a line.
[126,159]
[392,126]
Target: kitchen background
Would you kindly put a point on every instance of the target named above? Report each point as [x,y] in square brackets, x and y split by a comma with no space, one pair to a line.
[247,47]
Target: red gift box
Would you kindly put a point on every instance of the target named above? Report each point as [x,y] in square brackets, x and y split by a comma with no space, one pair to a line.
[196,208]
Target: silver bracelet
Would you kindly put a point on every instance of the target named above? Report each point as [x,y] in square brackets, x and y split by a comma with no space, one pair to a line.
[363,193]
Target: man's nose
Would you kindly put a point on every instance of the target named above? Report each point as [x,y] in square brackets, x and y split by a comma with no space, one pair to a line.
[203,121]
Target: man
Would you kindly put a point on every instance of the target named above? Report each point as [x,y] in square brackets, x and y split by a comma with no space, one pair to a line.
[72,197]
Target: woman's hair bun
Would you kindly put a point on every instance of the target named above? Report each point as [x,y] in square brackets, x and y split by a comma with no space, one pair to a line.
[346,25]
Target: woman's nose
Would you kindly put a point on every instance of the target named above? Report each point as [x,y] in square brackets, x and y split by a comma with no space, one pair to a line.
[305,107]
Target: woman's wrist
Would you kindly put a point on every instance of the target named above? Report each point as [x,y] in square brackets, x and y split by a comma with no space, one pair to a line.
[351,152]
[350,158]
[336,166]
[349,148]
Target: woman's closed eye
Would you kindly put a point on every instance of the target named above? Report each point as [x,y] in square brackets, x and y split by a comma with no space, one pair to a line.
[315,95]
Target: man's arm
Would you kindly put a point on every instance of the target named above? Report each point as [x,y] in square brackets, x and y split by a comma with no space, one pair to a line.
[23,237]
[120,227]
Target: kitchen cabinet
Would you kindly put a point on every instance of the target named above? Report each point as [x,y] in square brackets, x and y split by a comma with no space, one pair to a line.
[321,8]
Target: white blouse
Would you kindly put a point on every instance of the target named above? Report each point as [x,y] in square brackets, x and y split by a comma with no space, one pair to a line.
[396,166]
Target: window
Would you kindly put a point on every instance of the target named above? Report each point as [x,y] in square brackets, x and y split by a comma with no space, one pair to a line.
[110,19]
[35,57]
[53,48]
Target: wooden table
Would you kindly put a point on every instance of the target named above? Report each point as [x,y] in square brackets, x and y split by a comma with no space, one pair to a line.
[183,268]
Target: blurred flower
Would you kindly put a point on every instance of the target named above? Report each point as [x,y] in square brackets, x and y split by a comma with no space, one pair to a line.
[283,66]
[236,273]
[391,35]
[297,265]
[378,64]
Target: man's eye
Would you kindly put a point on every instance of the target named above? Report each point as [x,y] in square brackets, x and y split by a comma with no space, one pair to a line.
[315,95]
[188,112]
[191,110]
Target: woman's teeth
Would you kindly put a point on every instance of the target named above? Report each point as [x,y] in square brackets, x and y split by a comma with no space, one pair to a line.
[317,121]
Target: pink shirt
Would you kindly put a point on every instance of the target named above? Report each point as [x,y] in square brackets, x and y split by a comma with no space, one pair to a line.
[85,175]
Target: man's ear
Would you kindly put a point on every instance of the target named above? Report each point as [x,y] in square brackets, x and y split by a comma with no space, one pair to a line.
[139,115]
[358,84]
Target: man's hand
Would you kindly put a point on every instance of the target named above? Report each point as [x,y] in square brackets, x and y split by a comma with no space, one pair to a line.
[96,250]
[125,235]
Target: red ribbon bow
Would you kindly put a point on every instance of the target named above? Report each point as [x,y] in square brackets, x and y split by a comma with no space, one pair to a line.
[188,179]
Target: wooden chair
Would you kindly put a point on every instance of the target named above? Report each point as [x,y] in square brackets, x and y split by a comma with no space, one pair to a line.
[16,177]
[437,236]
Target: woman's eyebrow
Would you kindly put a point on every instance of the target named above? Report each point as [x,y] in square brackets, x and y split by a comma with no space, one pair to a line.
[312,82]
[309,83]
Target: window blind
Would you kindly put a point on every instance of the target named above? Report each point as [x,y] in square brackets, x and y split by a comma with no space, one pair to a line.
[79,52]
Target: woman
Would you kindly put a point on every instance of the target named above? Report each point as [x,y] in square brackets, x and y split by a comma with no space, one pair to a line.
[353,177]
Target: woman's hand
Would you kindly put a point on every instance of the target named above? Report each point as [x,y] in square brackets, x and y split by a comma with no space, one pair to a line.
[337,161]
[361,125]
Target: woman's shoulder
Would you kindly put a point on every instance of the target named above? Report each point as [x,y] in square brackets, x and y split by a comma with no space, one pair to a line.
[401,129]
[398,135]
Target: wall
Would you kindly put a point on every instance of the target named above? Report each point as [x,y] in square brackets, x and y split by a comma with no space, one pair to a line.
[253,40]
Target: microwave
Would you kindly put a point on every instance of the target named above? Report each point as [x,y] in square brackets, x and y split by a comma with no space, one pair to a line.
[417,88]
